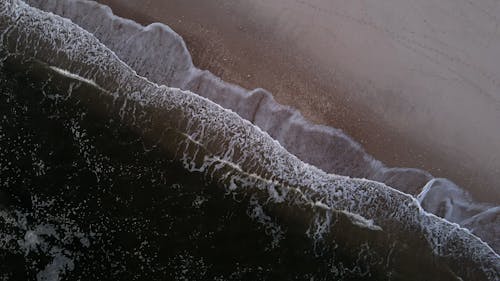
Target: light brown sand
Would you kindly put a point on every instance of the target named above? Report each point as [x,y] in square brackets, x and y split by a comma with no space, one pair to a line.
[226,38]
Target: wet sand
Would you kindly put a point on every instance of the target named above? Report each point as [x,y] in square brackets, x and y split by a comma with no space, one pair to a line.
[227,39]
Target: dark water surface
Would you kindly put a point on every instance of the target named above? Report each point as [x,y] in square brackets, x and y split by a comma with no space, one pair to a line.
[84,196]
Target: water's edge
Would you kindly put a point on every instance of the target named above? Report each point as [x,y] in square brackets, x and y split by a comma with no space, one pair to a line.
[158,53]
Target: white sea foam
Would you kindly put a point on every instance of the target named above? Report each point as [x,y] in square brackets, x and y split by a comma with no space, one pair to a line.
[24,235]
[447,200]
[158,53]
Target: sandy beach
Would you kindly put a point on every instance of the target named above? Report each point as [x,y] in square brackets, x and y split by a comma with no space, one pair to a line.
[251,45]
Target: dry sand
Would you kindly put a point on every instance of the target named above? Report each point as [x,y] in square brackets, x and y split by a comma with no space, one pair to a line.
[305,53]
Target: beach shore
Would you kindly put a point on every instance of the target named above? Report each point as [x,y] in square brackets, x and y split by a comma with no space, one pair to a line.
[298,63]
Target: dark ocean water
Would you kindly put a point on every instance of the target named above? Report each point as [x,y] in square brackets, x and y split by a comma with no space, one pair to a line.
[85,198]
[83,193]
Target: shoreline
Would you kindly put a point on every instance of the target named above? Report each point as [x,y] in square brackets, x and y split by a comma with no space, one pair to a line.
[283,72]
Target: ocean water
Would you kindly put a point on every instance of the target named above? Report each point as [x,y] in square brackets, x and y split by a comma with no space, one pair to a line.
[107,175]
[159,54]
[85,198]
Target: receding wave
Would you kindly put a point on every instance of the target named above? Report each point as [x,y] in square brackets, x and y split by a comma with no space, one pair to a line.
[364,218]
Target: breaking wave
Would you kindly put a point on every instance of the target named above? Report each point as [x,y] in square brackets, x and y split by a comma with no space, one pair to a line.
[158,53]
